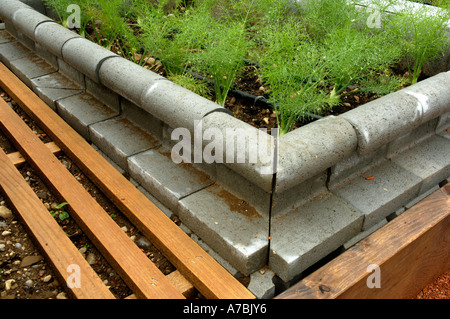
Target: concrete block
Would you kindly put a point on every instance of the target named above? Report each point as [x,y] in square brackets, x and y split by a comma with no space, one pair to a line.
[364,234]
[421,197]
[241,147]
[119,138]
[26,20]
[312,149]
[82,110]
[169,213]
[26,41]
[72,73]
[308,233]
[234,229]
[429,160]
[52,36]
[167,181]
[384,119]
[5,37]
[141,118]
[85,56]
[180,108]
[46,55]
[261,284]
[31,67]
[11,51]
[53,87]
[105,95]
[443,125]
[127,78]
[379,191]
[110,161]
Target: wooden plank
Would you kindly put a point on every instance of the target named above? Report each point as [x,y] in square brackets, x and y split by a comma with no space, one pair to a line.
[411,251]
[140,274]
[17,159]
[208,276]
[52,240]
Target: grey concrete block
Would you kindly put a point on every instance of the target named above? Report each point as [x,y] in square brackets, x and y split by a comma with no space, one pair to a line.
[83,110]
[167,181]
[379,191]
[26,41]
[53,87]
[102,93]
[120,138]
[430,160]
[239,146]
[234,230]
[305,235]
[443,125]
[142,118]
[46,55]
[85,56]
[180,108]
[72,73]
[31,67]
[313,148]
[26,20]
[364,234]
[421,197]
[127,78]
[110,161]
[11,51]
[261,284]
[169,213]
[5,37]
[52,36]
[384,119]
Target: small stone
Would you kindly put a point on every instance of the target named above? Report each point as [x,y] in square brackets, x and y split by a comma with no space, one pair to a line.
[6,233]
[2,247]
[91,259]
[9,283]
[18,245]
[61,295]
[47,278]
[124,228]
[142,242]
[5,213]
[30,260]
[29,283]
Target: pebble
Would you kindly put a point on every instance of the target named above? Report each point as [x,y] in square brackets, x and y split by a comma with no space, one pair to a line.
[91,259]
[6,233]
[2,247]
[143,242]
[61,295]
[18,245]
[5,213]
[29,283]
[47,278]
[9,283]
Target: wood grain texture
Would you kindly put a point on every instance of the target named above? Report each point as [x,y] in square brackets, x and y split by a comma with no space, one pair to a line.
[140,274]
[411,251]
[54,243]
[208,276]
[17,159]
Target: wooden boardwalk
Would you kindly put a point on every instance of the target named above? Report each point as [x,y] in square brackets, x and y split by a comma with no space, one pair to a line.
[195,268]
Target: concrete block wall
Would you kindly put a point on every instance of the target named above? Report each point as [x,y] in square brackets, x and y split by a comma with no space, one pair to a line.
[335,179]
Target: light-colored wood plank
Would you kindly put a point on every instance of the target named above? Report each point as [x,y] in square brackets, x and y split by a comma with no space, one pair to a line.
[411,251]
[17,159]
[52,240]
[140,274]
[208,276]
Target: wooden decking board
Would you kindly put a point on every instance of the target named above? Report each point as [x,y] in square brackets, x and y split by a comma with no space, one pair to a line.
[52,240]
[209,277]
[17,159]
[411,251]
[140,274]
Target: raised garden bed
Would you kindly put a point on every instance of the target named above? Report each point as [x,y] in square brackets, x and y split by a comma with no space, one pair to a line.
[326,184]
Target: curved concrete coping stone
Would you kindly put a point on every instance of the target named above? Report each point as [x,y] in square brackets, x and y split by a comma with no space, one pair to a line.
[52,36]
[8,8]
[175,105]
[391,116]
[85,56]
[26,20]
[127,78]
[246,150]
[312,149]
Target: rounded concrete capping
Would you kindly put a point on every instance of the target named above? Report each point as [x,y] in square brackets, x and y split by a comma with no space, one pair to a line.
[175,105]
[312,149]
[126,78]
[9,7]
[433,94]
[85,56]
[26,20]
[384,119]
[52,36]
[246,150]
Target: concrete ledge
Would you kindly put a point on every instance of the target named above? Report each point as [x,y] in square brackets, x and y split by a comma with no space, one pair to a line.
[26,20]
[53,36]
